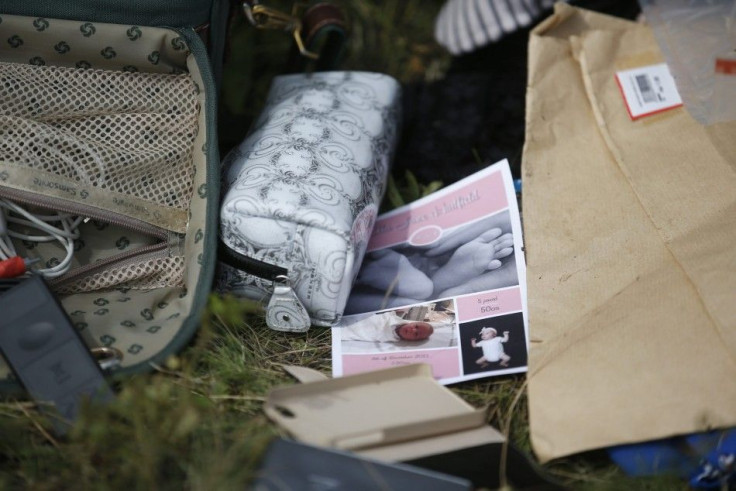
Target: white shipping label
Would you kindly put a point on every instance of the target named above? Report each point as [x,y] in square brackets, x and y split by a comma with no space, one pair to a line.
[648,90]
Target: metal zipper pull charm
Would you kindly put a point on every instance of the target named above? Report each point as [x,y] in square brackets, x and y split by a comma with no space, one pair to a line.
[284,311]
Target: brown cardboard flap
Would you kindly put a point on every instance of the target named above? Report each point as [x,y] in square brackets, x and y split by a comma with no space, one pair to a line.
[629,229]
[377,410]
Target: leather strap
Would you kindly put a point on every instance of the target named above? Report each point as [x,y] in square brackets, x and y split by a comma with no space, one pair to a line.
[321,16]
[324,31]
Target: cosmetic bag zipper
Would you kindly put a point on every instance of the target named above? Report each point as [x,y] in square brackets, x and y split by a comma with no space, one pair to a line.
[152,251]
[284,311]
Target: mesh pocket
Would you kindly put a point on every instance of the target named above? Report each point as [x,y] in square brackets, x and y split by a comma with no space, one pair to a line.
[149,274]
[114,144]
[119,132]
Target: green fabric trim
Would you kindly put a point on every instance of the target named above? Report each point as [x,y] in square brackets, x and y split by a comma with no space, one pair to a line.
[218,39]
[193,321]
[181,13]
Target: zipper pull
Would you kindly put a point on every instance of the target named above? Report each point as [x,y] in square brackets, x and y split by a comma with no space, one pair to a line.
[284,311]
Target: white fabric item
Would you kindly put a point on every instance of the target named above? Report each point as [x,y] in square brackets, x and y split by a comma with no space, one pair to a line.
[463,26]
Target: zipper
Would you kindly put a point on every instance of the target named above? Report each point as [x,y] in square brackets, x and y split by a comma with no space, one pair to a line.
[284,312]
[34,199]
[118,260]
[254,267]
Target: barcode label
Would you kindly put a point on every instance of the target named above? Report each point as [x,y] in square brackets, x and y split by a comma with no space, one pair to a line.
[648,90]
[645,88]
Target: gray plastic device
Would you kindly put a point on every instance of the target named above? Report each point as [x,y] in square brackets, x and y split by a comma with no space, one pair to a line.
[46,353]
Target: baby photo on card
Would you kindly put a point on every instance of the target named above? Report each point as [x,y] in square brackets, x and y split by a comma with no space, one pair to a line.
[475,256]
[423,326]
[435,273]
[494,343]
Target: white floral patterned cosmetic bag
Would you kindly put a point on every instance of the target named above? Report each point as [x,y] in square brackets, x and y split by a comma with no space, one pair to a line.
[302,192]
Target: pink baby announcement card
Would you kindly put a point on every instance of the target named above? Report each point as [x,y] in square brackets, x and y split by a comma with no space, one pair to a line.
[443,282]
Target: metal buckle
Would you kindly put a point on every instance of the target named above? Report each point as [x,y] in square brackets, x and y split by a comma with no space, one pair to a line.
[263,17]
[107,357]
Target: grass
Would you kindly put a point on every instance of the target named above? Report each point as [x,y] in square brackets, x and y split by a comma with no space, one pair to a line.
[196,423]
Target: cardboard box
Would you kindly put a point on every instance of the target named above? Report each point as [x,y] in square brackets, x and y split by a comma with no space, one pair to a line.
[401,415]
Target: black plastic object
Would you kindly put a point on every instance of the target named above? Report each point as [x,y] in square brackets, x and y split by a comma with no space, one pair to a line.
[8,283]
[46,353]
[291,465]
[481,465]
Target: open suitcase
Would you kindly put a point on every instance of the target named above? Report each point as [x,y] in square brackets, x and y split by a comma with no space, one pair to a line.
[107,114]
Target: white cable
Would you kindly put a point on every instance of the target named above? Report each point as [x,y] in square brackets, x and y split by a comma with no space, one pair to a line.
[60,227]
[64,265]
[34,221]
[7,250]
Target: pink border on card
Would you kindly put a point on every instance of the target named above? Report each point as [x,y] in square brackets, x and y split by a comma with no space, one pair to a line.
[475,200]
[488,304]
[445,362]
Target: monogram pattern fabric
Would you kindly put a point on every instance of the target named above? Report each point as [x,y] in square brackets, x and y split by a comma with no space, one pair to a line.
[303,189]
[143,321]
[80,44]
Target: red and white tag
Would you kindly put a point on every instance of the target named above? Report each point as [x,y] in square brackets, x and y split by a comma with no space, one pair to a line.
[648,90]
